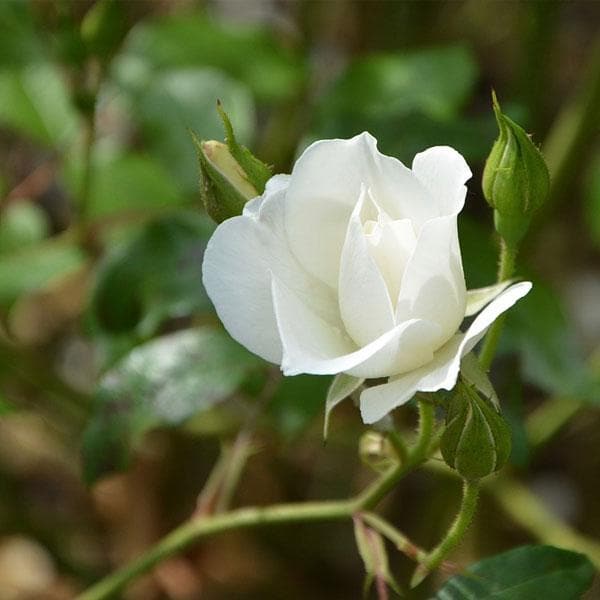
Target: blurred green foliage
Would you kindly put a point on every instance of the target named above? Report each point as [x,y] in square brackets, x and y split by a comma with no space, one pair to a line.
[106,333]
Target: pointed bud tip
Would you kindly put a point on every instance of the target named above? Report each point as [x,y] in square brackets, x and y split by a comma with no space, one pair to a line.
[515,179]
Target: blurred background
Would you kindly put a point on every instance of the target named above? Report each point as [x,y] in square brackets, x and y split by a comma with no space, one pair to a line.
[119,390]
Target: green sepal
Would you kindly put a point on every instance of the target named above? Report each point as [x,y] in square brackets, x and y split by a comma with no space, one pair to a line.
[257,172]
[477,440]
[371,548]
[221,197]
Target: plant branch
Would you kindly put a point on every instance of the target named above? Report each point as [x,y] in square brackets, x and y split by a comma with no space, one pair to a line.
[402,543]
[382,486]
[189,533]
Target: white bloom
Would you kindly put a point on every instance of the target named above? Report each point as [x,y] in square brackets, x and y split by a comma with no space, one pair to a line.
[352,265]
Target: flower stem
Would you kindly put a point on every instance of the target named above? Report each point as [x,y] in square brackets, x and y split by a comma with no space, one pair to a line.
[382,486]
[402,543]
[506,269]
[189,533]
[455,533]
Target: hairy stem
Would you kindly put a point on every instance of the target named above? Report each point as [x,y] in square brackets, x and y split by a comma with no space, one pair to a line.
[189,533]
[506,270]
[382,486]
[402,543]
[453,536]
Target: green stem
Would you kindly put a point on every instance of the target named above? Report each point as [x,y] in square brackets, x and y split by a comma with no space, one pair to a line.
[398,445]
[402,543]
[506,269]
[189,533]
[382,486]
[455,533]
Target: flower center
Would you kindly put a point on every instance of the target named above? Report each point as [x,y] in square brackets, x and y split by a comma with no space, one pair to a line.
[391,243]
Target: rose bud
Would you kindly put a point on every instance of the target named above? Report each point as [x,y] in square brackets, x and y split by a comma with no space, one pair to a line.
[477,439]
[515,179]
[225,189]
[231,175]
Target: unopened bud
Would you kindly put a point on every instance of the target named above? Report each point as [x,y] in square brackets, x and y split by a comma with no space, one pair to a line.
[515,179]
[231,174]
[375,451]
[477,439]
[224,187]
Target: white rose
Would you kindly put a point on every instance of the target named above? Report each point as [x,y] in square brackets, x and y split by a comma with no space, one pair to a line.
[352,265]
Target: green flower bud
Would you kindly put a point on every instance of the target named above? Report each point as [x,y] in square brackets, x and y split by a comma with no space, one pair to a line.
[224,187]
[375,451]
[477,440]
[515,179]
[231,175]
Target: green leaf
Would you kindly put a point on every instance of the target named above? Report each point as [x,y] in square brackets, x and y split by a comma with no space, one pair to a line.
[434,81]
[124,183]
[153,277]
[34,101]
[409,101]
[33,267]
[166,105]
[163,382]
[249,54]
[551,356]
[20,43]
[341,387]
[522,574]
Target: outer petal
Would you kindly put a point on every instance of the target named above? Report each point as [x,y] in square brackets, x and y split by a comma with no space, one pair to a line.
[433,284]
[311,345]
[237,267]
[443,171]
[326,181]
[442,371]
[364,301]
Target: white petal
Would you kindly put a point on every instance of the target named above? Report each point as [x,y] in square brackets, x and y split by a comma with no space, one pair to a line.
[479,297]
[236,271]
[326,181]
[433,284]
[442,371]
[311,345]
[443,171]
[277,183]
[391,245]
[364,301]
